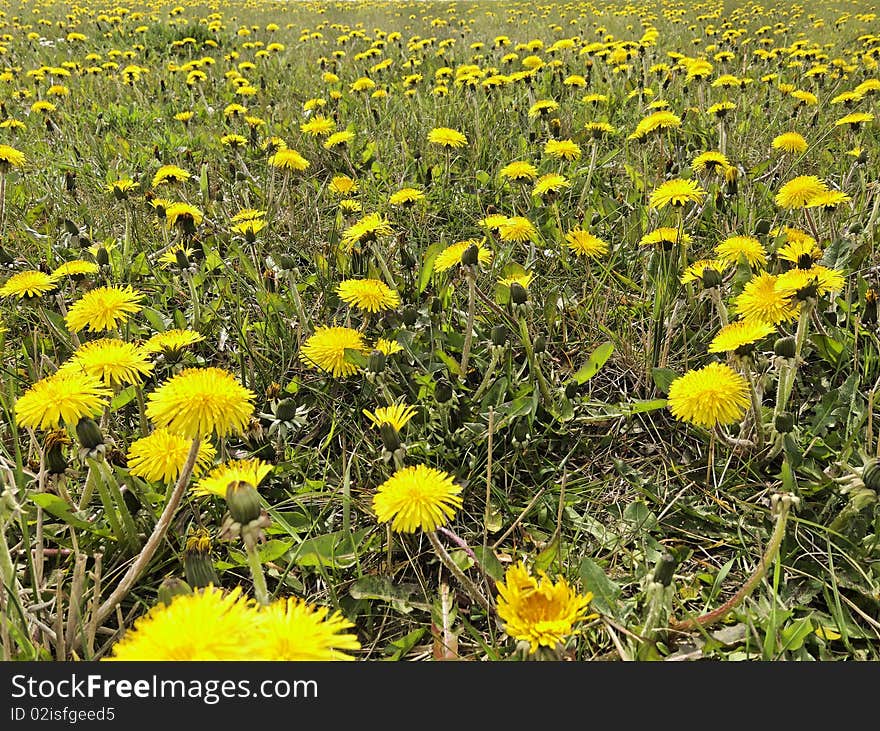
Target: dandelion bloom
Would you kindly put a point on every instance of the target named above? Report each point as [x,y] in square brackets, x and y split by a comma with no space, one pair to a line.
[791,142]
[695,271]
[342,185]
[291,629]
[666,236]
[288,159]
[371,295]
[75,268]
[801,250]
[761,301]
[405,197]
[337,139]
[172,341]
[319,126]
[28,284]
[797,192]
[550,183]
[523,280]
[519,170]
[711,162]
[170,174]
[160,456]
[562,149]
[252,471]
[709,396]
[103,308]
[387,347]
[368,228]
[62,397]
[855,119]
[598,130]
[397,415]
[517,228]
[538,610]
[446,137]
[657,120]
[325,350]
[113,361]
[740,335]
[417,497]
[676,192]
[584,243]
[451,255]
[542,107]
[749,247]
[183,215]
[201,401]
[828,200]
[210,624]
[815,281]
[10,158]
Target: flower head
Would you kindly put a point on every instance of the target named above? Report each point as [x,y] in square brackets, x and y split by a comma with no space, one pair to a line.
[715,394]
[291,629]
[325,350]
[550,183]
[519,170]
[10,158]
[665,236]
[539,610]
[796,193]
[62,397]
[801,283]
[288,159]
[210,624]
[387,347]
[791,142]
[367,228]
[397,415]
[170,174]
[446,137]
[318,126]
[417,497]
[676,192]
[28,284]
[113,361]
[172,341]
[372,295]
[405,197]
[517,228]
[740,335]
[160,456]
[761,301]
[184,216]
[201,401]
[749,247]
[252,471]
[451,255]
[103,309]
[583,243]
[75,268]
[711,162]
[695,271]
[562,149]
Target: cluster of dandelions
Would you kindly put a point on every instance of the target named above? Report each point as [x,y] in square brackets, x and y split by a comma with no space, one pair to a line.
[213,624]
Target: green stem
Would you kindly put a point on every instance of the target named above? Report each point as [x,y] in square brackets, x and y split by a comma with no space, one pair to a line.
[469,326]
[533,363]
[256,567]
[484,601]
[782,506]
[756,410]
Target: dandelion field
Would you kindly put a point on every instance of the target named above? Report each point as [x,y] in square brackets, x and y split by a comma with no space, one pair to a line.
[436,331]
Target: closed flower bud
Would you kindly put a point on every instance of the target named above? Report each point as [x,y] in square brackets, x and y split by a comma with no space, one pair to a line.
[102,257]
[390,437]
[762,227]
[711,278]
[171,587]
[471,256]
[54,445]
[410,315]
[540,344]
[287,261]
[376,362]
[243,501]
[181,259]
[518,294]
[871,475]
[443,391]
[784,347]
[665,568]
[784,422]
[89,433]
[197,563]
[499,335]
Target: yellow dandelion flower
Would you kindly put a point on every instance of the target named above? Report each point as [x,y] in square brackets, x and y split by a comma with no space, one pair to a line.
[397,415]
[160,456]
[519,170]
[791,142]
[676,192]
[61,397]
[749,247]
[290,629]
[75,268]
[796,193]
[517,228]
[288,159]
[740,335]
[694,272]
[325,350]
[104,308]
[371,295]
[113,361]
[170,174]
[583,243]
[417,498]
[28,284]
[761,301]
[447,137]
[562,149]
[201,401]
[252,471]
[715,394]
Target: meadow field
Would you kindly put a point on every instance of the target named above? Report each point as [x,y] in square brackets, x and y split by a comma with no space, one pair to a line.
[487,331]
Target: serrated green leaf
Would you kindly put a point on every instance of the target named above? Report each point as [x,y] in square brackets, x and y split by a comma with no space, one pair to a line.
[489,561]
[54,505]
[605,591]
[355,357]
[663,378]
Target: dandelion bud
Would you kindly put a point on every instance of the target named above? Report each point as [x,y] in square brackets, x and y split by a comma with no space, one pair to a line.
[665,568]
[499,335]
[197,563]
[518,294]
[784,347]
[443,391]
[711,278]
[243,501]
[410,315]
[54,445]
[181,259]
[287,261]
[102,257]
[376,362]
[784,422]
[571,389]
[286,409]
[5,256]
[540,344]
[471,256]
[89,433]
[871,475]
[171,587]
[762,227]
[390,437]
[869,313]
